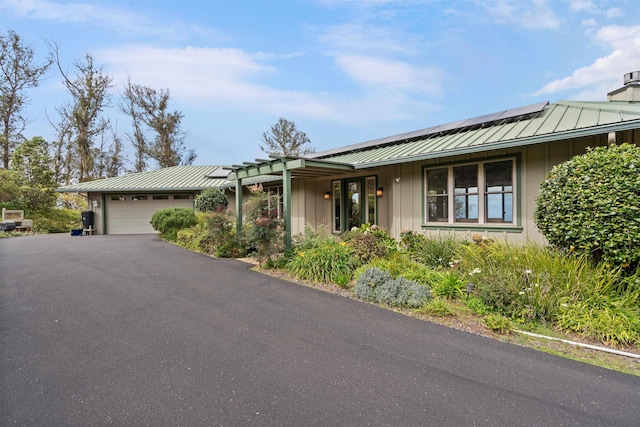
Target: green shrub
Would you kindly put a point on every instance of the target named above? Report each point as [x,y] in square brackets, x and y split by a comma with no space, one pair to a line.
[422,274]
[613,321]
[436,307]
[477,306]
[211,200]
[55,220]
[435,252]
[498,323]
[591,205]
[395,264]
[327,262]
[450,286]
[168,221]
[533,283]
[191,238]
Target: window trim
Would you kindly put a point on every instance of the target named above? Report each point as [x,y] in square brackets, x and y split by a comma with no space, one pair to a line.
[482,224]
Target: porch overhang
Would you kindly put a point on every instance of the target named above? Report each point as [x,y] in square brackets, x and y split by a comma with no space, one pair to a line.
[299,167]
[287,167]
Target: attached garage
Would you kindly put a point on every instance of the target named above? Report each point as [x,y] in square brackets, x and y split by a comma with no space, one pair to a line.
[131,213]
[125,204]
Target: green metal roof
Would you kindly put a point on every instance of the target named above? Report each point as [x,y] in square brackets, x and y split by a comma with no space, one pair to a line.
[557,121]
[176,178]
[536,124]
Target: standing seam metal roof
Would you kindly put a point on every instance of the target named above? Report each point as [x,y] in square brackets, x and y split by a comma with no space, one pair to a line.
[558,120]
[176,178]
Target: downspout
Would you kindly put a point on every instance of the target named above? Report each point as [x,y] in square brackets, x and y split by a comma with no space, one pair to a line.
[238,206]
[104,213]
[286,202]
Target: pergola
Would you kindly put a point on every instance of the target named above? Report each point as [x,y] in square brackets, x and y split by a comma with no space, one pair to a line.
[287,167]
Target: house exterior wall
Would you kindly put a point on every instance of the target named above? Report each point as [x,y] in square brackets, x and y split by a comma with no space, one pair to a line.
[402,207]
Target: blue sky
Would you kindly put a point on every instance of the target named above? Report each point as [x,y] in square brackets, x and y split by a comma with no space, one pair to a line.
[343,71]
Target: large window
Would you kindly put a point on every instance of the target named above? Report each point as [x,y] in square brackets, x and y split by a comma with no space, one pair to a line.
[353,203]
[478,193]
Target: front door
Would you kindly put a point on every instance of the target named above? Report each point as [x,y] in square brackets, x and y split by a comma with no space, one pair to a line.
[354,203]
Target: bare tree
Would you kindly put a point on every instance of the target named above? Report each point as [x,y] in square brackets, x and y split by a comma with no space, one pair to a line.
[63,154]
[148,107]
[89,89]
[137,139]
[17,74]
[284,139]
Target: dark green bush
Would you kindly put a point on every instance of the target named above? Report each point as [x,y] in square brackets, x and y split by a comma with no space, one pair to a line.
[168,221]
[211,200]
[591,205]
[221,238]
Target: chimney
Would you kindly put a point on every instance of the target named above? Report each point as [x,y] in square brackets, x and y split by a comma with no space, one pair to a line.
[630,92]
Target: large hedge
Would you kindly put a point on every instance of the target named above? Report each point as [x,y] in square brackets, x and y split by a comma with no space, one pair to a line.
[169,221]
[591,205]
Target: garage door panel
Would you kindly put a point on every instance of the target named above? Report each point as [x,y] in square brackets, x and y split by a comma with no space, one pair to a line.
[133,216]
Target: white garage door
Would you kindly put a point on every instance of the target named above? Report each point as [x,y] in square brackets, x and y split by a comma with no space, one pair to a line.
[131,214]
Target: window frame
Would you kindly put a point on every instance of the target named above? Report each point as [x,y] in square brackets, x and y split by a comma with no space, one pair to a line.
[483,221]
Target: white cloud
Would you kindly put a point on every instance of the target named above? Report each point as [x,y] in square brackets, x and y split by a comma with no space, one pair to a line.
[231,79]
[368,38]
[380,60]
[389,74]
[535,14]
[615,12]
[582,6]
[116,19]
[605,73]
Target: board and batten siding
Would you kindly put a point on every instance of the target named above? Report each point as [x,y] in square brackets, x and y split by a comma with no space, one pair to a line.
[407,186]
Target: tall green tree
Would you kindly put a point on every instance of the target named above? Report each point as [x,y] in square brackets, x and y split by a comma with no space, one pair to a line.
[31,160]
[18,72]
[89,89]
[286,140]
[149,107]
[9,188]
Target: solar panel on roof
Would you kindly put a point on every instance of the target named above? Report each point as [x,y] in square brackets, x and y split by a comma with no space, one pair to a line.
[447,127]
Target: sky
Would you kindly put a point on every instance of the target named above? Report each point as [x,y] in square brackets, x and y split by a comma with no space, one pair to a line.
[345,71]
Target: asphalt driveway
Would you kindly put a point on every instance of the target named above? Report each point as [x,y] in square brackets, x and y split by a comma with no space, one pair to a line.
[131,331]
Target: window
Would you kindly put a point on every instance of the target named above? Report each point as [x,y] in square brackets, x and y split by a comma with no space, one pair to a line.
[118,198]
[276,201]
[437,195]
[353,203]
[181,197]
[466,193]
[477,193]
[137,198]
[161,197]
[499,191]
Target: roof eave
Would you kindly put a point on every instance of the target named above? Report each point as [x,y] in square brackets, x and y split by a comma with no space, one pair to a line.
[539,139]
